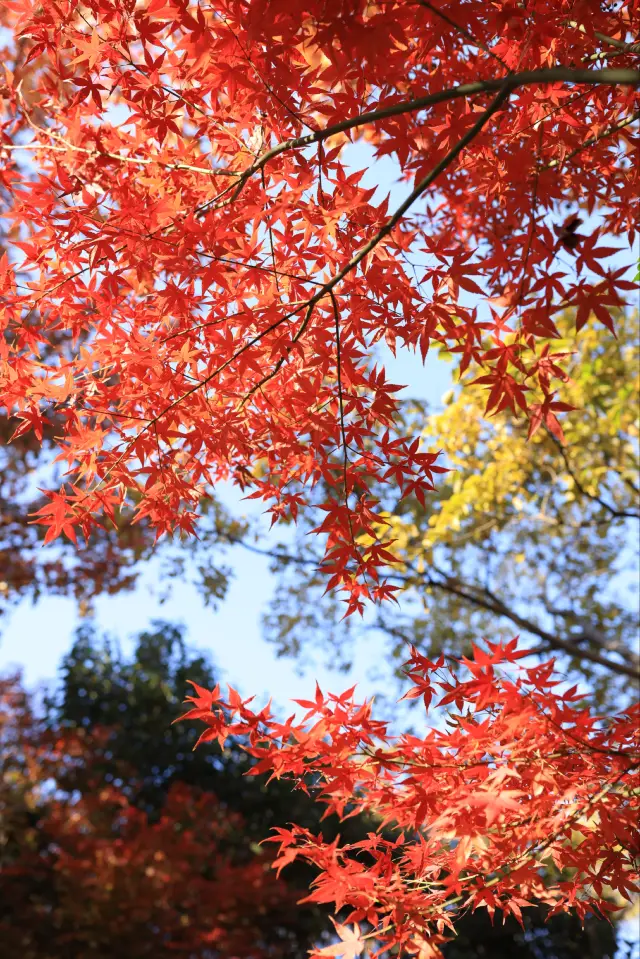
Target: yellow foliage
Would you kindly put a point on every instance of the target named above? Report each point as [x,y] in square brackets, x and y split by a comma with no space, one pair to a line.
[498,475]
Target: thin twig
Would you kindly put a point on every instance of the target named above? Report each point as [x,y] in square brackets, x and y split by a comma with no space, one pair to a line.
[95,154]
[280,363]
[343,435]
[270,231]
[293,113]
[532,224]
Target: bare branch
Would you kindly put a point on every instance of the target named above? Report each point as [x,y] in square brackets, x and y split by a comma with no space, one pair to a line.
[493,604]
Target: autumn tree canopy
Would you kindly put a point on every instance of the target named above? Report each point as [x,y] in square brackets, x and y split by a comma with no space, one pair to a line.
[198,279]
[198,286]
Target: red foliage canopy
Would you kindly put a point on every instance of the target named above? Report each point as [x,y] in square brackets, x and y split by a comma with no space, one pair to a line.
[202,278]
[517,795]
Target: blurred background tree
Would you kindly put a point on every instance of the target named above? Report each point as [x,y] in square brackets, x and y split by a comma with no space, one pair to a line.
[92,875]
[112,559]
[118,839]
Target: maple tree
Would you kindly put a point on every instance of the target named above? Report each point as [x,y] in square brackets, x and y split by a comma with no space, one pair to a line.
[198,280]
[200,287]
[518,794]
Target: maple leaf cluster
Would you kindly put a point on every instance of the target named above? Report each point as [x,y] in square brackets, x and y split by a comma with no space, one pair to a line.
[517,795]
[186,227]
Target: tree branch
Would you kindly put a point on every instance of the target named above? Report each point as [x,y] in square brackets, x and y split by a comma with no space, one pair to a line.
[618,514]
[493,604]
[612,77]
[632,47]
[591,141]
